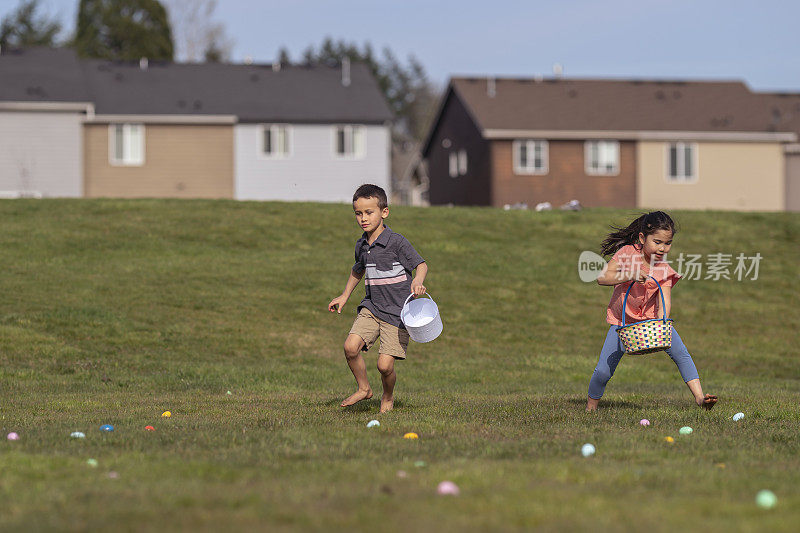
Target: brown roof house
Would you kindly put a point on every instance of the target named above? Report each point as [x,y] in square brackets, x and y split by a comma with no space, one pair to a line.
[616,143]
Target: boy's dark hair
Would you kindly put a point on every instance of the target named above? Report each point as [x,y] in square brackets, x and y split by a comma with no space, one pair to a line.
[372,191]
[646,224]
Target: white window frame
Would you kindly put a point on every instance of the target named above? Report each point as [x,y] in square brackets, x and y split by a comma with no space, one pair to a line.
[129,151]
[601,169]
[358,150]
[681,178]
[462,162]
[452,164]
[530,145]
[274,130]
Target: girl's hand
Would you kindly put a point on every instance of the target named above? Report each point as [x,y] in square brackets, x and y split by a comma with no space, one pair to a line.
[418,289]
[337,304]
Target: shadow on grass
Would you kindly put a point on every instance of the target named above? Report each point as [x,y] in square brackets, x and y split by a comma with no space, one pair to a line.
[606,404]
[373,404]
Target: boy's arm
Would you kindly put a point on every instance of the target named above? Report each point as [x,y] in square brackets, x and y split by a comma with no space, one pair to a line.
[352,281]
[417,286]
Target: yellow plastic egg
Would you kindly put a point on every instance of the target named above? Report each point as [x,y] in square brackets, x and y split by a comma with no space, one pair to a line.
[166,414]
[410,436]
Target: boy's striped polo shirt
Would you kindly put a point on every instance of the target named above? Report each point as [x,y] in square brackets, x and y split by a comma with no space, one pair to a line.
[387,263]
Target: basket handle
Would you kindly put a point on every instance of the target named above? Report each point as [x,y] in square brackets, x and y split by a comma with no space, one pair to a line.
[412,296]
[625,301]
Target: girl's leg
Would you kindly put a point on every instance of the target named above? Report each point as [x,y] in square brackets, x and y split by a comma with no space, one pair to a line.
[680,355]
[610,356]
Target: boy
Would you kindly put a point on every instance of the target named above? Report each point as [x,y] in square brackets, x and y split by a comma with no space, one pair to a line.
[388,260]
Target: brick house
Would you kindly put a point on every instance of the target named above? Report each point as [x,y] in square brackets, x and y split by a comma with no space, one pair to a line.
[614,143]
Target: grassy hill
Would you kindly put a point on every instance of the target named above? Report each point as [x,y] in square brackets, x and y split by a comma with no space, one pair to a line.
[114,311]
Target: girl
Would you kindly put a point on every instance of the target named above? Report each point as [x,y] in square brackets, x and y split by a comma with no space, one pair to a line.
[638,252]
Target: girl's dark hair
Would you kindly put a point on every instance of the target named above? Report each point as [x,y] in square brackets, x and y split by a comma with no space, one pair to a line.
[645,224]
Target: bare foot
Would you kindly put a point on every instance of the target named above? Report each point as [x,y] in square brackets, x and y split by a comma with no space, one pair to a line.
[591,404]
[387,404]
[356,397]
[707,402]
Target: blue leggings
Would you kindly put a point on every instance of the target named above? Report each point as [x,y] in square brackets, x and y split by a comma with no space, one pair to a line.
[612,352]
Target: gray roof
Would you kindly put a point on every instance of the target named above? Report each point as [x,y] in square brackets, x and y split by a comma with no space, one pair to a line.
[41,75]
[253,93]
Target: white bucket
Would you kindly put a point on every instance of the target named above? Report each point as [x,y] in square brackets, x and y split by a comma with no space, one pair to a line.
[421,318]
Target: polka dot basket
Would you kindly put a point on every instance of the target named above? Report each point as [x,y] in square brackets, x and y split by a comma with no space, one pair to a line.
[646,336]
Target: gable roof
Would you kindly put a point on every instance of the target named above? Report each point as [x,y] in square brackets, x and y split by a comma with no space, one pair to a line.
[628,105]
[253,93]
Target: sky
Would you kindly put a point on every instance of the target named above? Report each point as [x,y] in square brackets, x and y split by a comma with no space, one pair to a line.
[758,42]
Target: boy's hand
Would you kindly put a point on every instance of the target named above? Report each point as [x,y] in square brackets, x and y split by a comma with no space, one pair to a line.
[337,304]
[418,289]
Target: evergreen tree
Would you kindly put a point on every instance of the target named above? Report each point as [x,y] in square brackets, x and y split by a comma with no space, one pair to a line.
[123,30]
[410,95]
[25,28]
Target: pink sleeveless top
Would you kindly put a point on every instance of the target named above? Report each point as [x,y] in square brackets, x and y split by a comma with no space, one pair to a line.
[644,299]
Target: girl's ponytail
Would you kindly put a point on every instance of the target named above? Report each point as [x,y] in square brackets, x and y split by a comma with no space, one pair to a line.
[645,224]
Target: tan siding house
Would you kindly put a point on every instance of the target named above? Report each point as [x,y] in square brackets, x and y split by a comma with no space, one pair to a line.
[178,161]
[743,176]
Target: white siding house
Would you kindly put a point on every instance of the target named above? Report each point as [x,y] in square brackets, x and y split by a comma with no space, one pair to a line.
[309,162]
[41,153]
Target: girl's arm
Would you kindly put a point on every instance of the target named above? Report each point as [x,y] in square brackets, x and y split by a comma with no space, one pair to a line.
[664,313]
[338,302]
[614,275]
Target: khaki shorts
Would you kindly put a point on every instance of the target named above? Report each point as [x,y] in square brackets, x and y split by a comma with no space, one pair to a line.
[394,340]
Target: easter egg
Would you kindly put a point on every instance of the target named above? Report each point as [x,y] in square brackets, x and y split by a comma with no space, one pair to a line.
[644,422]
[410,436]
[373,424]
[448,488]
[12,436]
[166,414]
[229,393]
[685,430]
[106,427]
[669,439]
[587,450]
[738,416]
[77,435]
[149,428]
[92,462]
[766,499]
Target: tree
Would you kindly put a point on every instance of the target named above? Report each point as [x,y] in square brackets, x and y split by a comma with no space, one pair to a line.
[408,91]
[123,30]
[25,28]
[197,36]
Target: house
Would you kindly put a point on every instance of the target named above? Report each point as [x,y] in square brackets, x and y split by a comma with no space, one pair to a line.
[615,143]
[249,132]
[409,174]
[43,104]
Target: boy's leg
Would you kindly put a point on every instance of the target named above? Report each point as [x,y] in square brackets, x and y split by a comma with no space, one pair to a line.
[394,342]
[610,356]
[680,355]
[352,351]
[388,379]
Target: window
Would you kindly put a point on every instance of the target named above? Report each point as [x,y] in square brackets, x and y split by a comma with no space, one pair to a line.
[126,144]
[681,162]
[349,142]
[275,141]
[601,158]
[457,163]
[530,157]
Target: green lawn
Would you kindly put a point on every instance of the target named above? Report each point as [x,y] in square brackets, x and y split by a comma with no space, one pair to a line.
[114,311]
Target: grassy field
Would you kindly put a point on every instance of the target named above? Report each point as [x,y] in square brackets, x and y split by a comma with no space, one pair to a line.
[114,311]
